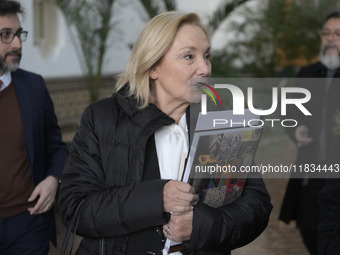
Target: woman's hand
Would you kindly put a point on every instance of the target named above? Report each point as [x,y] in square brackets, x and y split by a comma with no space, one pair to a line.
[178,197]
[179,227]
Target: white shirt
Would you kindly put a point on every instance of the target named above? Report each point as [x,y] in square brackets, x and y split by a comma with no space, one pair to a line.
[6,79]
[171,143]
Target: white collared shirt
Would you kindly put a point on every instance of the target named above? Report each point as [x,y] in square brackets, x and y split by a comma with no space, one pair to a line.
[171,142]
[6,79]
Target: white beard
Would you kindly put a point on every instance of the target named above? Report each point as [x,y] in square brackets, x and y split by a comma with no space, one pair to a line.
[331,61]
[13,67]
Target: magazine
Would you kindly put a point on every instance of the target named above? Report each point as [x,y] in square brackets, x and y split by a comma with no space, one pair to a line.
[229,145]
[218,156]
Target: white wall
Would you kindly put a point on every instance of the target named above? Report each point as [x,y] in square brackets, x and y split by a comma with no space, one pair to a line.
[66,63]
[130,23]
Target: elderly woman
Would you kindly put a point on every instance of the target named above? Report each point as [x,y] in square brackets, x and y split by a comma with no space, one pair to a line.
[125,171]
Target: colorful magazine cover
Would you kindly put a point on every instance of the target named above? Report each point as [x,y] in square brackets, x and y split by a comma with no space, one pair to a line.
[216,162]
[226,146]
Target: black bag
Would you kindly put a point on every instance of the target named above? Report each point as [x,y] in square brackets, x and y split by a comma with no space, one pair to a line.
[72,227]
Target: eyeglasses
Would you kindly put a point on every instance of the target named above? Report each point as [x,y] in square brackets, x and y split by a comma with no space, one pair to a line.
[326,33]
[8,37]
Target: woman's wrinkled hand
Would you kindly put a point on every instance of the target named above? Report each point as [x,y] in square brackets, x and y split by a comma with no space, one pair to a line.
[178,197]
[179,227]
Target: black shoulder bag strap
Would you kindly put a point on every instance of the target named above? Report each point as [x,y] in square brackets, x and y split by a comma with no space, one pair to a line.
[71,227]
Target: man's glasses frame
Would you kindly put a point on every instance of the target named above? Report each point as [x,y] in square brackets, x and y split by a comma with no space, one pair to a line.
[327,33]
[7,37]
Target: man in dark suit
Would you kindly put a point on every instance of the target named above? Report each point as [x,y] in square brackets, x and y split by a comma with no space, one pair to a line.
[32,154]
[329,227]
[313,136]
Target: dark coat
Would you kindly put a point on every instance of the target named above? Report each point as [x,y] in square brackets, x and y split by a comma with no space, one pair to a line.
[329,198]
[105,169]
[45,150]
[329,227]
[304,208]
[307,154]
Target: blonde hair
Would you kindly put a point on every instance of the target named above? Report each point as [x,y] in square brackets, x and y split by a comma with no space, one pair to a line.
[152,44]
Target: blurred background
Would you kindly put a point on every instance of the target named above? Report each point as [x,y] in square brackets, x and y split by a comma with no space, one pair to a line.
[79,46]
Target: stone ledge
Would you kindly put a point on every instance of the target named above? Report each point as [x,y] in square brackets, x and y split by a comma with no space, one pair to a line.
[71,96]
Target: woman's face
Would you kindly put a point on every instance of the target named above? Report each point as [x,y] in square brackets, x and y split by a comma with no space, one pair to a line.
[188,57]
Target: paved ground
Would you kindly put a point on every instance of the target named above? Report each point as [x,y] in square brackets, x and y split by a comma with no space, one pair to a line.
[275,240]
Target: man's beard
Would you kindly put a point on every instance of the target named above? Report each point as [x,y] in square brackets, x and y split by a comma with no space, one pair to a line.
[331,61]
[5,67]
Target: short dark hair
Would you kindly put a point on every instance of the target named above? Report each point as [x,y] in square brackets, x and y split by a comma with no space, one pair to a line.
[10,7]
[333,15]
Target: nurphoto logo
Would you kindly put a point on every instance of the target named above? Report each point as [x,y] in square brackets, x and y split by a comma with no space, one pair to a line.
[295,96]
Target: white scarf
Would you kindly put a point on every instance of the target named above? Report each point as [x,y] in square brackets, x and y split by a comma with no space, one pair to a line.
[171,143]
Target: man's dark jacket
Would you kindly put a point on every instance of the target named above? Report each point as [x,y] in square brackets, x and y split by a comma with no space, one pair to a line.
[105,170]
[307,154]
[312,77]
[45,150]
[329,226]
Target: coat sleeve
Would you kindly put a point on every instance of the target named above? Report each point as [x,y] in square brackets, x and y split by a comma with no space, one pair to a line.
[233,225]
[107,211]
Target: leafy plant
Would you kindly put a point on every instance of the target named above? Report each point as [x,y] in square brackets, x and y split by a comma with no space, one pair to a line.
[273,40]
[91,24]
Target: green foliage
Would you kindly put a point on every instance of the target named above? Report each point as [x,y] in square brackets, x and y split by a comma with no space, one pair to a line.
[222,66]
[150,8]
[170,5]
[270,41]
[91,23]
[225,8]
[154,8]
[221,62]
